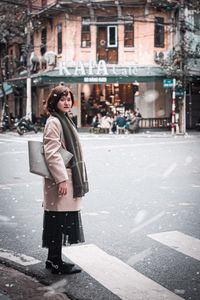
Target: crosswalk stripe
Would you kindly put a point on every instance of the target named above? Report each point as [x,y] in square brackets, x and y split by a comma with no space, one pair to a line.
[115,275]
[179,241]
[19,258]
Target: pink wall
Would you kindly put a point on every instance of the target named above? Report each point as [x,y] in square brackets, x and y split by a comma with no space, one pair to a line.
[141,54]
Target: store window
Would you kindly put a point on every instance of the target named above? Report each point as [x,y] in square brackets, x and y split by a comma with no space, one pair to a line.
[112,36]
[129,35]
[43,48]
[159,32]
[85,33]
[59,38]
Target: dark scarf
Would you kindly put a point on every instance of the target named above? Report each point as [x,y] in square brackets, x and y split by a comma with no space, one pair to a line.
[77,165]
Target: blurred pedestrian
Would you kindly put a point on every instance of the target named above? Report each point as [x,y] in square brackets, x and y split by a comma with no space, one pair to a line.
[120,121]
[62,195]
[106,122]
[96,121]
[133,125]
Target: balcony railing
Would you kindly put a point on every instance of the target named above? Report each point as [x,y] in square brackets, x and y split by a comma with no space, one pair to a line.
[155,122]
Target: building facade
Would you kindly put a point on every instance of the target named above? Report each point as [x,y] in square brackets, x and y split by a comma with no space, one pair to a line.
[107,52]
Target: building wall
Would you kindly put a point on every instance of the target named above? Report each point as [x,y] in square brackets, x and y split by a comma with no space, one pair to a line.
[153,101]
[141,54]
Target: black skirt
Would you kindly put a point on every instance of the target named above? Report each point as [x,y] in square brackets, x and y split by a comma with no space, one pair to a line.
[64,227]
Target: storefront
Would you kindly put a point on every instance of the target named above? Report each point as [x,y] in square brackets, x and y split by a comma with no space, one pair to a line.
[111,86]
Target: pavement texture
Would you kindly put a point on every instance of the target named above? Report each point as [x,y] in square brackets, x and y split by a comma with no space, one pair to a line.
[15,285]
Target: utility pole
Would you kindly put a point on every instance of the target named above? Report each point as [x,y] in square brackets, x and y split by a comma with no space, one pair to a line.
[28,64]
[183,64]
[173,105]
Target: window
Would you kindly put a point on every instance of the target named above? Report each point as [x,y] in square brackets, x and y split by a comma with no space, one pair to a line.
[129,35]
[112,36]
[43,47]
[159,32]
[85,34]
[59,38]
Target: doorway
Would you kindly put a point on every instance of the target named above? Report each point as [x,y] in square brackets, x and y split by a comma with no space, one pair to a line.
[107,44]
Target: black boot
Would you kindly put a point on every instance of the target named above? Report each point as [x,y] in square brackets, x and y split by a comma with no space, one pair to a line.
[63,268]
[55,263]
[48,264]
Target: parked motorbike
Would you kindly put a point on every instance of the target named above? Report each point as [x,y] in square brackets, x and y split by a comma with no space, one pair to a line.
[25,125]
[9,123]
[5,123]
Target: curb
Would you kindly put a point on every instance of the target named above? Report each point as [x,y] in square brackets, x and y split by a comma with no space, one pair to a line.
[16,285]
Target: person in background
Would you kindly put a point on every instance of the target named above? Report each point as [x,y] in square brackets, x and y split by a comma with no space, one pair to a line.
[120,121]
[106,122]
[96,121]
[133,126]
[62,195]
[89,110]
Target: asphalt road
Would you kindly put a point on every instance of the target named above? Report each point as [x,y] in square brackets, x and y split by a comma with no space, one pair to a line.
[141,218]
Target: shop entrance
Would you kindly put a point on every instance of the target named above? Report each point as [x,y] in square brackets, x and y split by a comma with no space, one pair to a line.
[105,98]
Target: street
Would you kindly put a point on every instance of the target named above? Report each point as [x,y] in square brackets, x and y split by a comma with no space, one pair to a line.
[141,217]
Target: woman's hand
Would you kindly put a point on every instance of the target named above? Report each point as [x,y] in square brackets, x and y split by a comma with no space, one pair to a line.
[62,188]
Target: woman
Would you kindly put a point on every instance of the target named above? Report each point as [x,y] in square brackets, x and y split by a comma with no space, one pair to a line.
[62,195]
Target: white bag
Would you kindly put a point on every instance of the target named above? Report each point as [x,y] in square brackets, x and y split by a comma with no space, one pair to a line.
[37,162]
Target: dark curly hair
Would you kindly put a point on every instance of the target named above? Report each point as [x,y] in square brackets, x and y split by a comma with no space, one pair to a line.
[56,93]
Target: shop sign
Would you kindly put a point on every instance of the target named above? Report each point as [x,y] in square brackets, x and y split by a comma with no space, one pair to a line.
[179,91]
[92,69]
[7,89]
[95,79]
[168,83]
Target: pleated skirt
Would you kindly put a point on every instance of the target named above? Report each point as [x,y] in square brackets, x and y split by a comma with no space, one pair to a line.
[65,227]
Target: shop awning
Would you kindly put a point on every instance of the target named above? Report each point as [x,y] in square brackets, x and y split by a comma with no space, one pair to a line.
[110,75]
[7,89]
[106,74]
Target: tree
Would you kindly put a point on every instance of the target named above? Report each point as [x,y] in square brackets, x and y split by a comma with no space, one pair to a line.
[13,19]
[12,23]
[182,60]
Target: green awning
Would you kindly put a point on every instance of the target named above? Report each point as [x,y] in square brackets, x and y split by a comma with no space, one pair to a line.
[48,80]
[112,75]
[7,89]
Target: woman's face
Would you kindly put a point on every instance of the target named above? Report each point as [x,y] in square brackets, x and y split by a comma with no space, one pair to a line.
[65,103]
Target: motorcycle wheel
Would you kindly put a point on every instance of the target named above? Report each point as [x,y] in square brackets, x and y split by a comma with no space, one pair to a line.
[20,131]
[35,129]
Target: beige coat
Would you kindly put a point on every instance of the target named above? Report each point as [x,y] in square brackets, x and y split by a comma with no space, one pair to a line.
[53,139]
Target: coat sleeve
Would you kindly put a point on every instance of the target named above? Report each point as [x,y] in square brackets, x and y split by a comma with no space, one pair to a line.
[52,144]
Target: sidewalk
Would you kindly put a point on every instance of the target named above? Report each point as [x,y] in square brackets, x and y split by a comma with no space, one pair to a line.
[143,132]
[15,285]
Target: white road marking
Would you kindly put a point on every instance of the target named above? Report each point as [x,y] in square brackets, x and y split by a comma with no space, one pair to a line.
[18,258]
[7,186]
[19,139]
[24,139]
[179,241]
[115,275]
[158,216]
[134,259]
[131,145]
[13,152]
[170,170]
